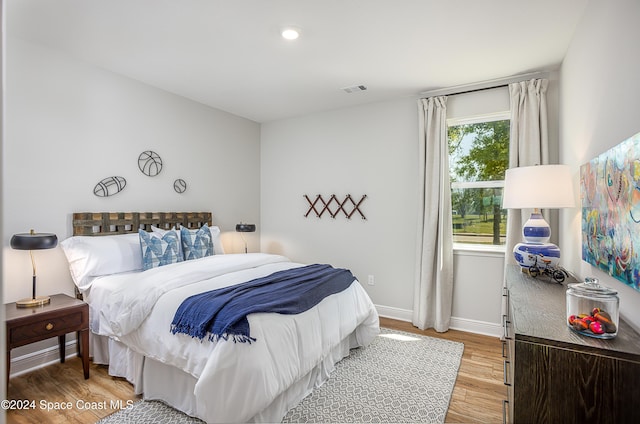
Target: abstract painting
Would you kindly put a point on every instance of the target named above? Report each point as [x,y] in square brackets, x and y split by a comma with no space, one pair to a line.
[610,195]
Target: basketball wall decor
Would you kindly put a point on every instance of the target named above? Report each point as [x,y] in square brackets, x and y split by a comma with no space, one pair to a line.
[109,186]
[180,185]
[150,163]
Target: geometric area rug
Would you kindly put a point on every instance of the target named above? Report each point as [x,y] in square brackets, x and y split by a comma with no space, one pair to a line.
[400,377]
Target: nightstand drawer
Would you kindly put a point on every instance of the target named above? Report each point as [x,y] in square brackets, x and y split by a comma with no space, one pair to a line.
[47,327]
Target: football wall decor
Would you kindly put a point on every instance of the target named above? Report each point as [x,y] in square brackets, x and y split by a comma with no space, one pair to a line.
[109,186]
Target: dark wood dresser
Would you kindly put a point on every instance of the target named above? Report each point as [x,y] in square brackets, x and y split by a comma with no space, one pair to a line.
[555,375]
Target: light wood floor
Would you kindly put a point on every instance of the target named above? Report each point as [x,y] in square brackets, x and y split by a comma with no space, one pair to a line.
[479,390]
[477,396]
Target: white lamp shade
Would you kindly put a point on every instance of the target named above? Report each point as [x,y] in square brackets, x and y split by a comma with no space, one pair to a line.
[540,186]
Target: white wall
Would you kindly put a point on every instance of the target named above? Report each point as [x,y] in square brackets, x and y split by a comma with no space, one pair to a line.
[362,150]
[600,100]
[69,124]
[371,150]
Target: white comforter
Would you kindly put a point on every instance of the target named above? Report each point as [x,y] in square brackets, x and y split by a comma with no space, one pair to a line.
[235,380]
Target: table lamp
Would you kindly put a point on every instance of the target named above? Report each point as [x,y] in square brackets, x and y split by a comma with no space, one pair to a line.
[245,228]
[537,187]
[33,241]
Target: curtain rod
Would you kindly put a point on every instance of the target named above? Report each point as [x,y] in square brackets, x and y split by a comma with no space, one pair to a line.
[484,85]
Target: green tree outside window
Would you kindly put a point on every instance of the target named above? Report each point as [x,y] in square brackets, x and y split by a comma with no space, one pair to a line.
[479,153]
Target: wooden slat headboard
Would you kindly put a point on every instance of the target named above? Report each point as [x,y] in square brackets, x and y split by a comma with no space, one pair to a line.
[110,223]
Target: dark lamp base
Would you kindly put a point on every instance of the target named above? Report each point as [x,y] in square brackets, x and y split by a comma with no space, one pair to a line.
[29,302]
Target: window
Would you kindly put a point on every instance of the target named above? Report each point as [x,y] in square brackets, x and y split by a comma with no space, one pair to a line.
[478,159]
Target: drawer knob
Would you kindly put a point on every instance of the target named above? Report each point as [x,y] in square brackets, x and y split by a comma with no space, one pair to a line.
[49,326]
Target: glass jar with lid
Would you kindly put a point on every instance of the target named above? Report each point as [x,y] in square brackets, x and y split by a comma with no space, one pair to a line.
[592,309]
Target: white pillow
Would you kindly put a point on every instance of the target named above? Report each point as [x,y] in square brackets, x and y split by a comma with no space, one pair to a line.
[217,244]
[215,235]
[161,231]
[93,256]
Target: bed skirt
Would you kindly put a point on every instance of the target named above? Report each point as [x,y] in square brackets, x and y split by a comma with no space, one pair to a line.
[158,381]
[122,361]
[176,388]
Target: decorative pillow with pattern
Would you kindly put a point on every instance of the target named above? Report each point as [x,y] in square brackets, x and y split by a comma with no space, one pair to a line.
[196,244]
[159,250]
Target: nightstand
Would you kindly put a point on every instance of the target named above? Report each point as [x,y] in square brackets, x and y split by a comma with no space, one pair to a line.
[63,315]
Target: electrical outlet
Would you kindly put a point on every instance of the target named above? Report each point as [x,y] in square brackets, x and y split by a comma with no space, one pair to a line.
[371,281]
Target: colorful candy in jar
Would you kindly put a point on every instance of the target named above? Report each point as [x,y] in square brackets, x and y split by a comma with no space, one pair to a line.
[598,322]
[596,327]
[605,319]
[580,324]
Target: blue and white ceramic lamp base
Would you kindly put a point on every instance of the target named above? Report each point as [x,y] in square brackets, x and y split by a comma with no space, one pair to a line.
[536,251]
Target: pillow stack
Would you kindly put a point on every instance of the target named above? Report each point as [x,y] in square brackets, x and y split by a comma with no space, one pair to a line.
[90,256]
[94,256]
[164,247]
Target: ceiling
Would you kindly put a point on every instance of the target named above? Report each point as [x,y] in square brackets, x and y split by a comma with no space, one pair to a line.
[230,55]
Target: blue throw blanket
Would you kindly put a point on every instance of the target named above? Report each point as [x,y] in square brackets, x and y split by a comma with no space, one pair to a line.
[222,313]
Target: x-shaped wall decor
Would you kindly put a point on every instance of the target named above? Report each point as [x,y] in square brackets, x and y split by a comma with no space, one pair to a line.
[334,206]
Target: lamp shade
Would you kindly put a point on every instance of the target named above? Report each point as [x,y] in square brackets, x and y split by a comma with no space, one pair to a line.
[245,228]
[539,186]
[34,241]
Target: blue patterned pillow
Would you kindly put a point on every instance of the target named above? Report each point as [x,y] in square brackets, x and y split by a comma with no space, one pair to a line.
[196,243]
[158,251]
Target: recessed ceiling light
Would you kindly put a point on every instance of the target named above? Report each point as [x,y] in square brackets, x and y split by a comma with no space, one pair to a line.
[290,33]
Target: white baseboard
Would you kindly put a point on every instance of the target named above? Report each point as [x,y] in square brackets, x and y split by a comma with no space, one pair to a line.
[462,324]
[394,313]
[41,358]
[478,327]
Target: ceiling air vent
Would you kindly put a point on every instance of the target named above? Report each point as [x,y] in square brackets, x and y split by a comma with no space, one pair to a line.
[354,88]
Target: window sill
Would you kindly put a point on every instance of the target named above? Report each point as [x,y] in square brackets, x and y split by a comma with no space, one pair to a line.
[478,250]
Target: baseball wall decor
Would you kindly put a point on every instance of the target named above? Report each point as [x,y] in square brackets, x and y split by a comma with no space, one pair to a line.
[180,185]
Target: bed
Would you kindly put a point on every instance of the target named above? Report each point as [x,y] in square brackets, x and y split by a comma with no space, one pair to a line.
[133,301]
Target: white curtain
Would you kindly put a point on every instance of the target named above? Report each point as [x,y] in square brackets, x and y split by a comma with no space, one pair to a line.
[529,145]
[434,265]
